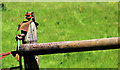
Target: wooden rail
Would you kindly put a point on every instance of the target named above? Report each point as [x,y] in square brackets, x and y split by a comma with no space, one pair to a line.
[69,46]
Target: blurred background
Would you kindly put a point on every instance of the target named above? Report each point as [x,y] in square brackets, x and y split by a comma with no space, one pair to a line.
[64,21]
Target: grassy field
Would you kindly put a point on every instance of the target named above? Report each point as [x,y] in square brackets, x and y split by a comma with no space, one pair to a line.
[64,22]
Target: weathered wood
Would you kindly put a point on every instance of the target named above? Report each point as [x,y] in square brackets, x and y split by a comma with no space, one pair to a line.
[69,46]
[31,35]
[30,61]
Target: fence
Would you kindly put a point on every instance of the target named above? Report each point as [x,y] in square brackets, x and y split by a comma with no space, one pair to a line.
[31,49]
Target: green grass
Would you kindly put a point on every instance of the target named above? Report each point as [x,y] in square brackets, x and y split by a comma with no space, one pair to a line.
[64,22]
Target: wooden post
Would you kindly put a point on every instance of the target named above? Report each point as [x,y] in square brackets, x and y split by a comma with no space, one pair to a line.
[30,61]
[20,63]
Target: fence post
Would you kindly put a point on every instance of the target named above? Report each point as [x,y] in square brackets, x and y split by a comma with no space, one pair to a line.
[20,63]
[31,62]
